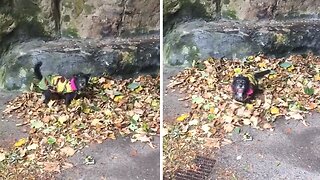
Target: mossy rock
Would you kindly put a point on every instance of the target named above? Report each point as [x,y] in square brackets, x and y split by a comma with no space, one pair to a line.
[70,33]
[123,59]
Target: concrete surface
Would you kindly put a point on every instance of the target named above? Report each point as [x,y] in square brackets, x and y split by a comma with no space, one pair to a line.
[290,152]
[114,159]
[172,107]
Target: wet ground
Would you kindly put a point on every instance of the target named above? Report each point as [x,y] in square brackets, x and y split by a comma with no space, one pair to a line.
[291,151]
[118,159]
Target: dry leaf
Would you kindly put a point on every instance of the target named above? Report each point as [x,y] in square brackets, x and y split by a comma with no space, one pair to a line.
[21,142]
[2,156]
[182,117]
[51,166]
[68,151]
[212,142]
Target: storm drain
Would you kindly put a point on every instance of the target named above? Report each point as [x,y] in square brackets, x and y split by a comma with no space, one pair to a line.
[204,168]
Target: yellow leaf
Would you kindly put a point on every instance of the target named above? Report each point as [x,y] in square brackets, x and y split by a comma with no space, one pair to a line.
[182,117]
[155,103]
[250,58]
[86,110]
[107,112]
[21,142]
[272,76]
[317,77]
[118,98]
[249,106]
[230,74]
[237,70]
[291,68]
[274,110]
[140,88]
[262,65]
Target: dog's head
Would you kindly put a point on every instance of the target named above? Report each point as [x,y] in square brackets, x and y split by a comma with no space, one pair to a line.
[241,88]
[81,80]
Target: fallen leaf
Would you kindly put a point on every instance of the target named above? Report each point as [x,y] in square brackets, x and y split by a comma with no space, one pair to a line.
[194,122]
[68,151]
[62,119]
[182,117]
[206,128]
[228,127]
[267,126]
[67,165]
[212,142]
[36,124]
[2,156]
[118,98]
[21,142]
[285,65]
[51,166]
[133,85]
[32,147]
[274,110]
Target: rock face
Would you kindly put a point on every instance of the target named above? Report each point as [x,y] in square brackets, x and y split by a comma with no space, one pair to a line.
[238,28]
[199,40]
[65,57]
[118,37]
[79,18]
[269,9]
[103,18]
[26,18]
[180,10]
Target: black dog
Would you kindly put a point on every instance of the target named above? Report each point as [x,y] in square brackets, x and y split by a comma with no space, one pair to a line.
[55,84]
[244,87]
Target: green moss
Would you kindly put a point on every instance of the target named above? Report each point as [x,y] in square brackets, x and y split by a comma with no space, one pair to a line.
[127,57]
[66,18]
[226,1]
[22,73]
[191,53]
[230,14]
[70,32]
[88,9]
[78,7]
[280,38]
[2,77]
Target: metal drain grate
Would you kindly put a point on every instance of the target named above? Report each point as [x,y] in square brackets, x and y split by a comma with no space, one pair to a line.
[205,166]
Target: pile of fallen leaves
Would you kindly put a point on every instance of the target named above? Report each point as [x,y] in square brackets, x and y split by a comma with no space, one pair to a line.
[108,107]
[291,91]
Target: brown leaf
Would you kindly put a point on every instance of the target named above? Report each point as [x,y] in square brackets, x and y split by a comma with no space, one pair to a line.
[68,151]
[212,142]
[51,166]
[267,126]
